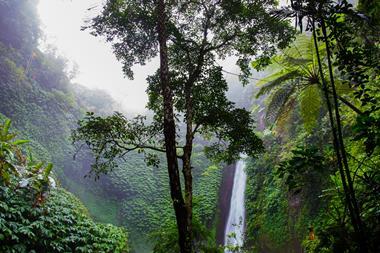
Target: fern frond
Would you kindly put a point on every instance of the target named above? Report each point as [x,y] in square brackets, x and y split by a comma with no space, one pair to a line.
[269,86]
[285,114]
[342,86]
[310,101]
[279,98]
[300,47]
[297,61]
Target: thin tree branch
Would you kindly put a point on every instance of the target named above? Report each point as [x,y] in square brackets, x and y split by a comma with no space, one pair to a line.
[350,105]
[196,128]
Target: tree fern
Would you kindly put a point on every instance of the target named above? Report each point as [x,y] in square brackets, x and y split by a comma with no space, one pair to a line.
[310,101]
[295,74]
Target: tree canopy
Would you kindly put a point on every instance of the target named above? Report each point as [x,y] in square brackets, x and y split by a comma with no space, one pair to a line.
[198,34]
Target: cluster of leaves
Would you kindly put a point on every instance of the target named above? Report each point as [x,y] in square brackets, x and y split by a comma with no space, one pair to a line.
[167,236]
[61,224]
[13,164]
[228,129]
[267,222]
[354,41]
[295,80]
[304,166]
[111,138]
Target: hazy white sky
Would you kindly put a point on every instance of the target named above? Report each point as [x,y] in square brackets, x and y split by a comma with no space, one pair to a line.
[98,67]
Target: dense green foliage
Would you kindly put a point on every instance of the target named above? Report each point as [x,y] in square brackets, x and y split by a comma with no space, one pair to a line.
[43,105]
[296,188]
[144,201]
[36,216]
[59,225]
[295,198]
[293,187]
[166,239]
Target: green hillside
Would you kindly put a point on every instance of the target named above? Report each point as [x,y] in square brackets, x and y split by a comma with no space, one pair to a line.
[44,106]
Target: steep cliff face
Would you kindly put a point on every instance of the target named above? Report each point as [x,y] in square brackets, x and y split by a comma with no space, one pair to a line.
[225,193]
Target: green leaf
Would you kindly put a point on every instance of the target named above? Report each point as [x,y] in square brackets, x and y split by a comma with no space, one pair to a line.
[278,100]
[275,81]
[20,142]
[310,102]
[47,170]
[6,128]
[8,137]
[37,167]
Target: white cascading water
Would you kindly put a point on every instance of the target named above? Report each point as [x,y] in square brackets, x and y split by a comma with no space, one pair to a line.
[234,232]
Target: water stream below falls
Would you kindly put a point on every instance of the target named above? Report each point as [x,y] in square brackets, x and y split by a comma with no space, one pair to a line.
[234,231]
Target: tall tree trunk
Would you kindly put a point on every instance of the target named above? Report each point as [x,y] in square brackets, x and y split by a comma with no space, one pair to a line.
[360,232]
[180,209]
[334,132]
[188,149]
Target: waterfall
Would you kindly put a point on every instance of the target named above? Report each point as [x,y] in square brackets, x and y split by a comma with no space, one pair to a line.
[234,231]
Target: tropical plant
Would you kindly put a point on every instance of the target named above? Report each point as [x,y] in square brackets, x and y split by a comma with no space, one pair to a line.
[295,79]
[8,150]
[36,216]
[303,167]
[332,23]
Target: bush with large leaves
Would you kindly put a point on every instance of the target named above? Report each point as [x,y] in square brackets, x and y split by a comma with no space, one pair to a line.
[37,218]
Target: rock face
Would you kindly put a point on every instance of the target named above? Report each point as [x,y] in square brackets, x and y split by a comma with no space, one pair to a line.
[224,201]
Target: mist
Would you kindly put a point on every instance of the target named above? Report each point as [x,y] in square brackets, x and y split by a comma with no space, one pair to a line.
[98,68]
